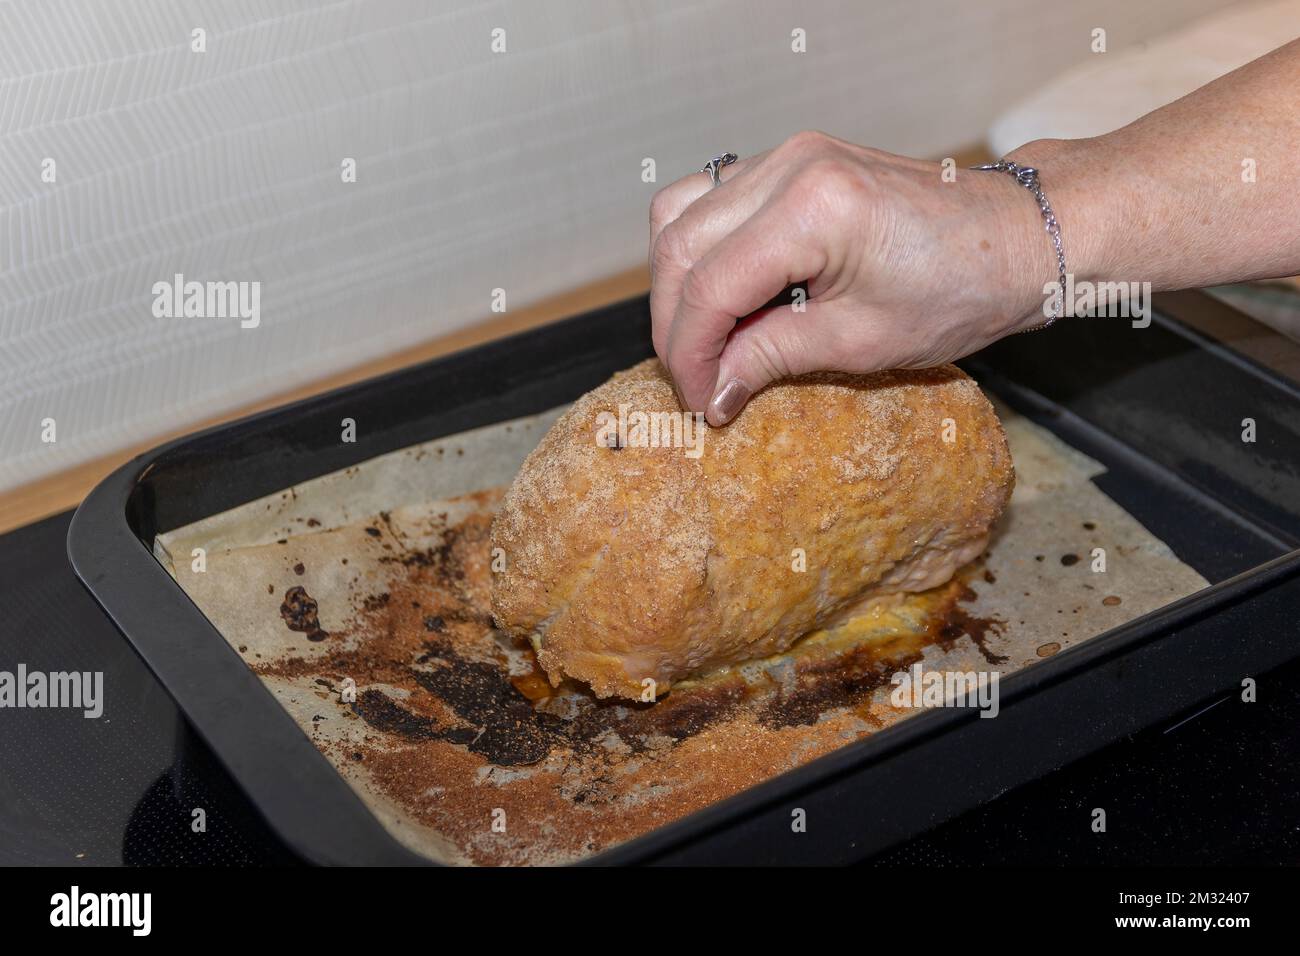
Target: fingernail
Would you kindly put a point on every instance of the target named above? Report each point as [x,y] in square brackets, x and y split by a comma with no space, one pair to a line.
[728,402]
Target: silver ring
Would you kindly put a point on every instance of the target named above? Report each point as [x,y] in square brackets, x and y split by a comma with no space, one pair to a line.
[714,166]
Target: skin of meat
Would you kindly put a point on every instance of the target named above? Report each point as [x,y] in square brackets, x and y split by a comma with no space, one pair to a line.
[622,564]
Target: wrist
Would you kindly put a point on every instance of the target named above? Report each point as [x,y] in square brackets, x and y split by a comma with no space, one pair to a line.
[1068,172]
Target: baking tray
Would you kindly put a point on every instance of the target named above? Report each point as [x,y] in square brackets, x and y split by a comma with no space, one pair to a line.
[1143,402]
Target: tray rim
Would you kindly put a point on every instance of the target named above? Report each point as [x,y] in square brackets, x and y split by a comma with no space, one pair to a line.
[101,524]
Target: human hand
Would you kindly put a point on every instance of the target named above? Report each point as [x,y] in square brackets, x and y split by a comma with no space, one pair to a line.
[902,269]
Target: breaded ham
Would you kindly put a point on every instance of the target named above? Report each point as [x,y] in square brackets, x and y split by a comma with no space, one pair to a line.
[631,559]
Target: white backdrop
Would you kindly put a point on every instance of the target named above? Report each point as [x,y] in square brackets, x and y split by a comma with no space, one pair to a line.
[475,170]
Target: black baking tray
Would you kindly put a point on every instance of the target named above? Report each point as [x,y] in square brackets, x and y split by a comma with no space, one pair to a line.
[1161,407]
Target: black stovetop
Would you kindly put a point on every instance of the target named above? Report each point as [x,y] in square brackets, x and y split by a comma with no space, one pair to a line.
[1222,786]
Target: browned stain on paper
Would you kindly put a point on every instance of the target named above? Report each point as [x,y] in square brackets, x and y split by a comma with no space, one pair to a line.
[300,613]
[458,724]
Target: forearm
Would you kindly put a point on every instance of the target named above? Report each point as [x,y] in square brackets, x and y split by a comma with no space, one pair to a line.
[1171,199]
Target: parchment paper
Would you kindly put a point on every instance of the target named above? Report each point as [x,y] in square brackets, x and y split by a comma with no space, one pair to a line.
[392,554]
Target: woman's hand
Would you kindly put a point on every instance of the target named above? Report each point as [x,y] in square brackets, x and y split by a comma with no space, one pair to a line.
[905,269]
[902,268]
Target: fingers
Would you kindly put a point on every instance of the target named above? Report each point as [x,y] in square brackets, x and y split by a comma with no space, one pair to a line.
[719,255]
[741,273]
[773,344]
[670,202]
[685,240]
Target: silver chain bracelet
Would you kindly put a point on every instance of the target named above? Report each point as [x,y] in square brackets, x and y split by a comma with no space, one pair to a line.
[1027,176]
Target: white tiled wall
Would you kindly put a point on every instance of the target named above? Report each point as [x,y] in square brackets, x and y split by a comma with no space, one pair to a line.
[519,170]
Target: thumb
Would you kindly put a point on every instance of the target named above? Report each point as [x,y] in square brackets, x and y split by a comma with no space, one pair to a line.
[772,344]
